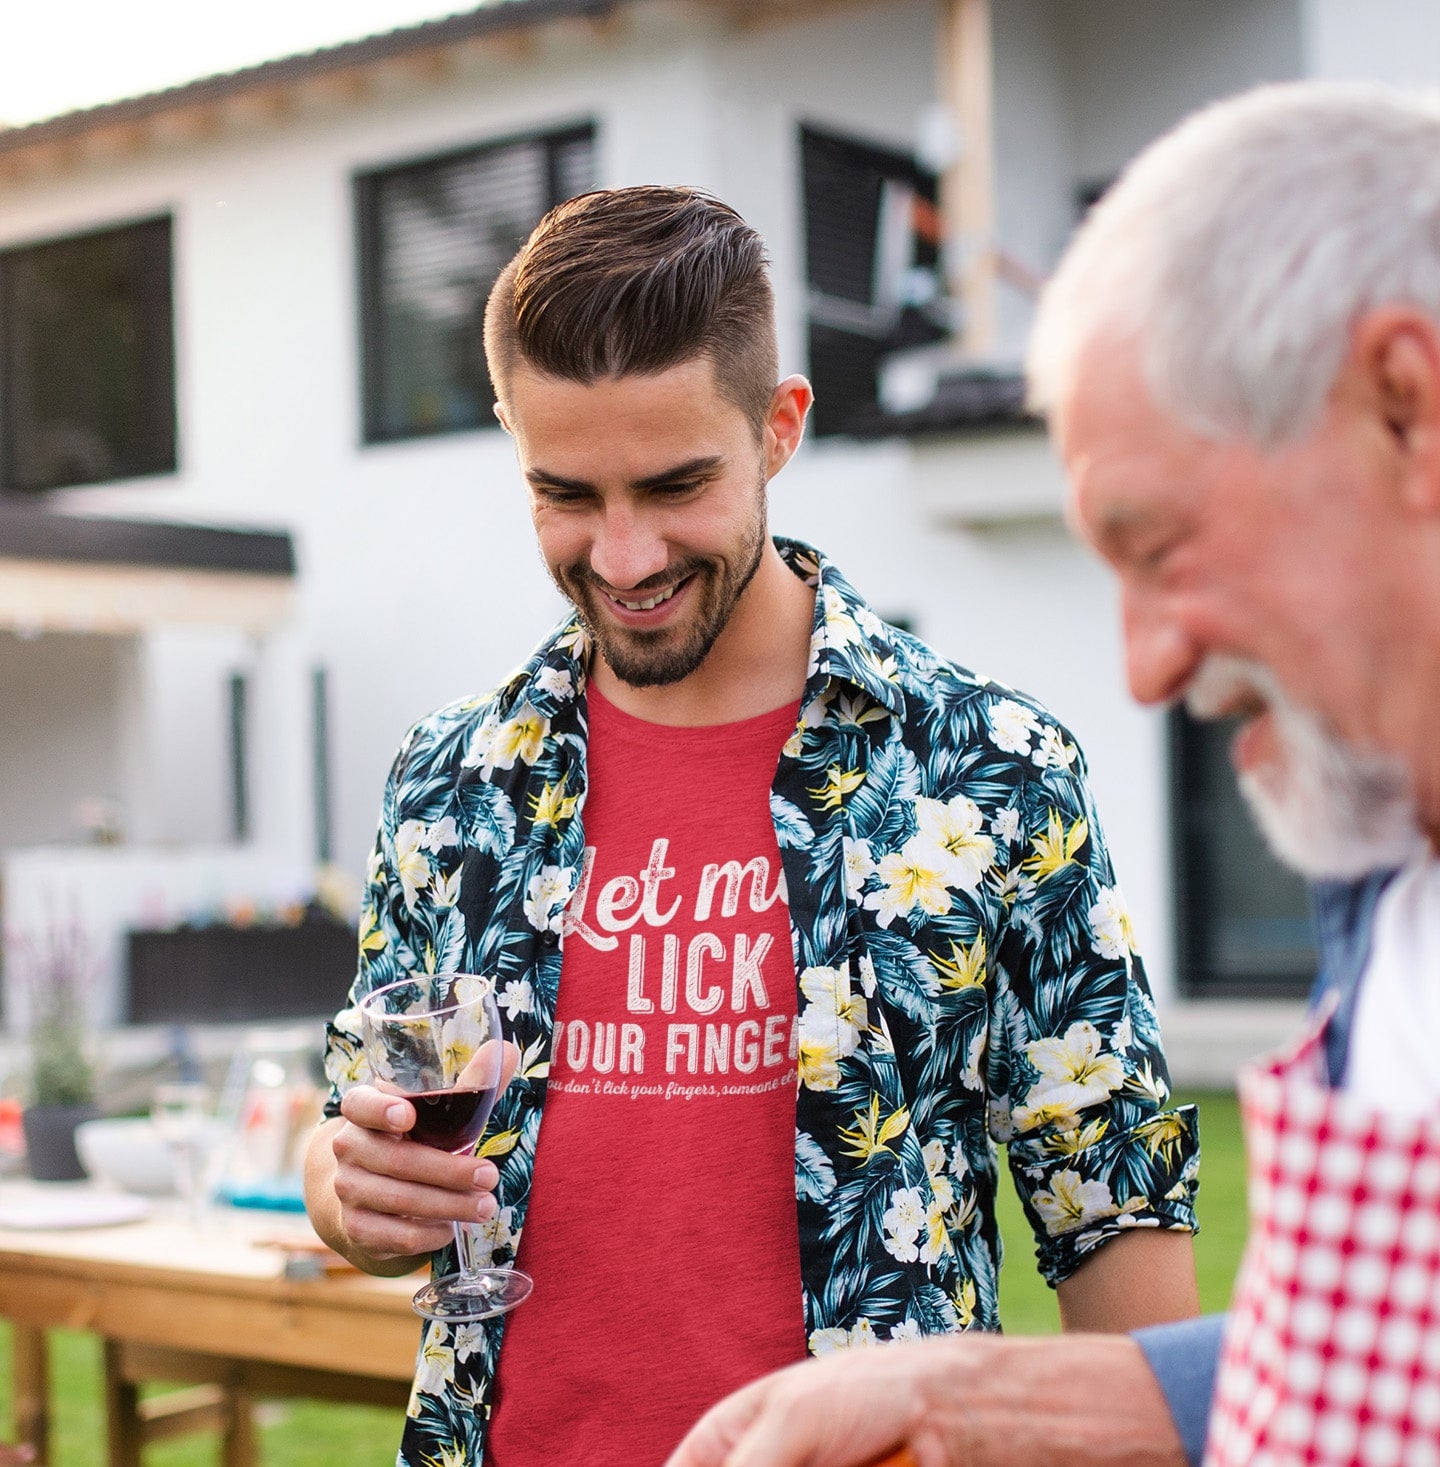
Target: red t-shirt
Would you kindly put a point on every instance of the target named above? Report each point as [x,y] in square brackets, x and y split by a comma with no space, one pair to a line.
[661,1232]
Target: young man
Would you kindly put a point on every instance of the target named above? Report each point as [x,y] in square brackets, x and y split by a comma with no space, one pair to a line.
[727,831]
[1240,356]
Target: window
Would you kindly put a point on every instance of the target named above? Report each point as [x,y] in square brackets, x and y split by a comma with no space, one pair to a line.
[872,266]
[87,359]
[1242,918]
[433,237]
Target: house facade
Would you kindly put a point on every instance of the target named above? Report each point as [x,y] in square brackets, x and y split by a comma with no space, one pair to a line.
[280,272]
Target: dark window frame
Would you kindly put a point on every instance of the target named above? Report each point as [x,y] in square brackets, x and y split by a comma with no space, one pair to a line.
[366,185]
[838,412]
[1196,837]
[160,375]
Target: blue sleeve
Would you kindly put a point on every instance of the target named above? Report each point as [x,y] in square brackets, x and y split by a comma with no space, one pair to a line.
[1184,1357]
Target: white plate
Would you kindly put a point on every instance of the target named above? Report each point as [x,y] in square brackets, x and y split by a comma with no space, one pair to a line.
[72,1210]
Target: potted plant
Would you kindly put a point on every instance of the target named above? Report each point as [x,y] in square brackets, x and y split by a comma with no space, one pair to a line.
[62,1077]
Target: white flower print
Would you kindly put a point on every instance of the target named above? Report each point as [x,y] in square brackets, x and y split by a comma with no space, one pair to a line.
[913,876]
[1075,1071]
[951,830]
[902,1222]
[1006,824]
[545,898]
[907,1330]
[834,1014]
[517,997]
[828,1341]
[841,629]
[555,681]
[435,1369]
[1110,925]
[443,833]
[1012,725]
[412,865]
[940,1184]
[859,866]
[1054,752]
[469,1340]
[999,1122]
[1072,1202]
[819,1064]
[869,623]
[497,743]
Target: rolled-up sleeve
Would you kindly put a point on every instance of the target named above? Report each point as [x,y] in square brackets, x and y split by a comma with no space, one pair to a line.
[1094,1146]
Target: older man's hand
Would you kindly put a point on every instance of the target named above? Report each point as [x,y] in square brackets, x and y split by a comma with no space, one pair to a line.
[980,1400]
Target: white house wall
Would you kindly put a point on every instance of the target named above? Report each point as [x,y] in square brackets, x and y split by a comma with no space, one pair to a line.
[1394,41]
[62,729]
[1137,66]
[419,581]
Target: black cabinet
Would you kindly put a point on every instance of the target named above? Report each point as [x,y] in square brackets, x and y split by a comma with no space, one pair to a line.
[220,974]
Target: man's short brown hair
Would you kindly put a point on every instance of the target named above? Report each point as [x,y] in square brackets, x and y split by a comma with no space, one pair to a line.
[634,281]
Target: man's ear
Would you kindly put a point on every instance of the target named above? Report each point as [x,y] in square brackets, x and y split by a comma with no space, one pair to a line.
[499,412]
[1395,350]
[785,422]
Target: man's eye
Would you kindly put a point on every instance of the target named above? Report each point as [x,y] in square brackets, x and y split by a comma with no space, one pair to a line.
[677,489]
[553,494]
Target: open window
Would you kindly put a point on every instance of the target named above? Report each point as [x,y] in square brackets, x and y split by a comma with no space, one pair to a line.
[434,234]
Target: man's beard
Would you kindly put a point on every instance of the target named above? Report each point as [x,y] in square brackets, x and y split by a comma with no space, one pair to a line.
[1325,808]
[651,659]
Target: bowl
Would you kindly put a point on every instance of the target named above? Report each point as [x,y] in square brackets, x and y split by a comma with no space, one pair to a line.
[127,1152]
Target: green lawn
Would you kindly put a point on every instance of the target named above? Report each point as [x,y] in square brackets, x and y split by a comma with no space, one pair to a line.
[312,1435]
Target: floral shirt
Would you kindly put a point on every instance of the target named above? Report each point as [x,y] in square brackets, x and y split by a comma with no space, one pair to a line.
[967,976]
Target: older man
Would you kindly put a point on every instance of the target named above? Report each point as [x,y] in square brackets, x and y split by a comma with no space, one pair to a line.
[1240,359]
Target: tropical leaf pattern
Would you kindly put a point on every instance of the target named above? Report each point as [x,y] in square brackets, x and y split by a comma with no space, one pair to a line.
[967,970]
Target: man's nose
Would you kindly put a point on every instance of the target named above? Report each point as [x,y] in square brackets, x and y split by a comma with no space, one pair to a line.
[1160,655]
[626,550]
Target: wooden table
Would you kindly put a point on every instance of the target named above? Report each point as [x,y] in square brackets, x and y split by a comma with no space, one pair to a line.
[175,1303]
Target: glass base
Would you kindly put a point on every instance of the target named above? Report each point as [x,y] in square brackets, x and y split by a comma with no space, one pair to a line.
[457,1299]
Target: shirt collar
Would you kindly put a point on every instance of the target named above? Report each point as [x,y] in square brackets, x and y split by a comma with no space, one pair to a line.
[848,643]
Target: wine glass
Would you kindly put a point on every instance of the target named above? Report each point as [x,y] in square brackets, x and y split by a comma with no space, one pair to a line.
[436,1040]
[180,1112]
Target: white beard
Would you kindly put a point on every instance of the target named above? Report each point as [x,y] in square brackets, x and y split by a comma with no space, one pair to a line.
[1326,809]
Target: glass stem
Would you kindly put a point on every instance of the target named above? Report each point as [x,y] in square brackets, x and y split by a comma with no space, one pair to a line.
[465,1245]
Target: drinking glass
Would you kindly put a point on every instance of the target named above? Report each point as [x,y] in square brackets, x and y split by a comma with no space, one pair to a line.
[180,1112]
[436,1040]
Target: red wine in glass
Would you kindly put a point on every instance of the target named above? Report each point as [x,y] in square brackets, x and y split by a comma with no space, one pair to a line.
[436,1039]
[451,1120]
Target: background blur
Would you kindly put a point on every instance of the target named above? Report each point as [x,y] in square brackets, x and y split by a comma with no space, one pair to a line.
[256,517]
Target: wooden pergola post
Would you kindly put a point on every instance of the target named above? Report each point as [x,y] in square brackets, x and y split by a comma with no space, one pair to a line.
[967,187]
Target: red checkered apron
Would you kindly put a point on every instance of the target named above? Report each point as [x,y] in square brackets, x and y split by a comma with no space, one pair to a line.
[1332,1354]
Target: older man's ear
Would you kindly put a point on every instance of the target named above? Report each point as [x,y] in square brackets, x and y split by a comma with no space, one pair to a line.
[1393,376]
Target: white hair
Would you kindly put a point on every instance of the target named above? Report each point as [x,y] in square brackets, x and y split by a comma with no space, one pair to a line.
[1237,251]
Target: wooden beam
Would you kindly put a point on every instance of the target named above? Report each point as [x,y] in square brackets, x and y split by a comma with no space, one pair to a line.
[967,188]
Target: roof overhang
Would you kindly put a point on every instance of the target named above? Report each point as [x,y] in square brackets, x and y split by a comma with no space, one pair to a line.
[270,91]
[68,573]
[508,31]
